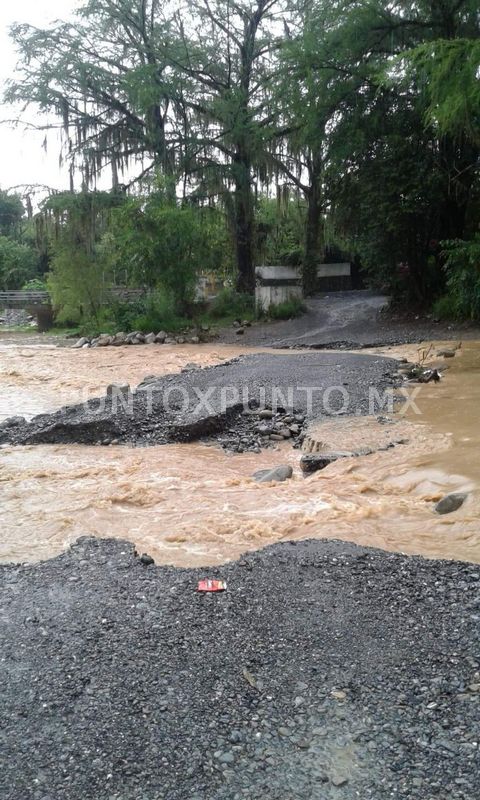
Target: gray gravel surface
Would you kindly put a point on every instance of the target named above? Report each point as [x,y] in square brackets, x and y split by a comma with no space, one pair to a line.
[350,320]
[189,405]
[324,671]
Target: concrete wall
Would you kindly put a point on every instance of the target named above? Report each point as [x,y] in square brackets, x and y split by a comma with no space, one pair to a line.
[334,277]
[266,296]
[276,285]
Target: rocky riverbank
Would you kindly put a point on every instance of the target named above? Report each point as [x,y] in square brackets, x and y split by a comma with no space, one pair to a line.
[324,671]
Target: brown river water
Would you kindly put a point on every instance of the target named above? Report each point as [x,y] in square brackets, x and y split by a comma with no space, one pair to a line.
[193,504]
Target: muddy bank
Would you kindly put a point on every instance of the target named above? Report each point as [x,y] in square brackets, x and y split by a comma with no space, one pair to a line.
[201,403]
[325,670]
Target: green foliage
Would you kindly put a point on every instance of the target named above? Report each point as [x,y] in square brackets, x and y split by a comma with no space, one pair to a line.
[230,305]
[18,264]
[35,285]
[291,308]
[79,276]
[369,111]
[76,286]
[11,214]
[280,226]
[462,266]
[160,243]
[447,71]
[155,312]
[444,308]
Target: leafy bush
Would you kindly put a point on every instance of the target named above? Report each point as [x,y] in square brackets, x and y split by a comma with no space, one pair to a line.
[35,285]
[158,314]
[161,244]
[462,266]
[18,263]
[76,286]
[231,304]
[444,308]
[293,307]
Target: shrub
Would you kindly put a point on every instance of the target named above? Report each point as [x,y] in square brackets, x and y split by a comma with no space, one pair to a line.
[462,266]
[231,304]
[35,285]
[444,308]
[18,263]
[158,313]
[293,307]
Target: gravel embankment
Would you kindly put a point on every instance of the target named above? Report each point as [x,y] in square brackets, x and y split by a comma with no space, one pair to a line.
[324,671]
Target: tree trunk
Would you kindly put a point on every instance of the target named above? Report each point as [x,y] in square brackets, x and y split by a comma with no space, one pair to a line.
[244,224]
[313,231]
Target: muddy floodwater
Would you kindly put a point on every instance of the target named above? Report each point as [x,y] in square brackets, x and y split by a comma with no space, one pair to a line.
[193,504]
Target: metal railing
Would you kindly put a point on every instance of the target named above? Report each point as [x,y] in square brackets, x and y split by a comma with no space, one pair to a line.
[19,299]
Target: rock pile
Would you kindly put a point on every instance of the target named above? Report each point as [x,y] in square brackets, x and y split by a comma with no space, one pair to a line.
[137,337]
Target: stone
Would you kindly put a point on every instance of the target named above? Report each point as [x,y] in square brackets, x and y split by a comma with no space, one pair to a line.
[104,340]
[195,340]
[161,337]
[150,338]
[313,463]
[451,503]
[446,354]
[240,331]
[147,560]
[118,389]
[338,781]
[276,437]
[278,474]
[13,422]
[170,340]
[81,343]
[180,340]
[119,339]
[266,413]
[227,758]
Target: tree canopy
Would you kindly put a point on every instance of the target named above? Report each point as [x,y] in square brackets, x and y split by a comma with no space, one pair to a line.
[365,114]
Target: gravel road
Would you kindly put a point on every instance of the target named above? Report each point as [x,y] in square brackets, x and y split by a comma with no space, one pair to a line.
[351,320]
[324,671]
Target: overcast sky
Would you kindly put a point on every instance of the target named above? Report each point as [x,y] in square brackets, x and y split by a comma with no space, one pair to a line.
[22,159]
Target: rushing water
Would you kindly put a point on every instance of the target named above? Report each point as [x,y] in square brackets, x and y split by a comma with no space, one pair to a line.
[194,504]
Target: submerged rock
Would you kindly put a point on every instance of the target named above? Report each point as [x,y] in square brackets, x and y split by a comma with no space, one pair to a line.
[278,474]
[313,463]
[451,503]
[446,354]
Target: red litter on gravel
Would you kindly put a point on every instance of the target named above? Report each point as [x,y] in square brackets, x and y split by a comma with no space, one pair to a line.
[208,585]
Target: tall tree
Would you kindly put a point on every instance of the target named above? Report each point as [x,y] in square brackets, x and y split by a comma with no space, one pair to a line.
[228,60]
[103,76]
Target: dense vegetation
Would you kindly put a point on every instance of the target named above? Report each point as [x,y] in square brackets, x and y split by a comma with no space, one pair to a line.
[360,119]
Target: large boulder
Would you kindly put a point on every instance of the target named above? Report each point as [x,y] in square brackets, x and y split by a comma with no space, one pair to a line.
[451,503]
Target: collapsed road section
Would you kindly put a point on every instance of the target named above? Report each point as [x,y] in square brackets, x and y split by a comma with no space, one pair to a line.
[201,403]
